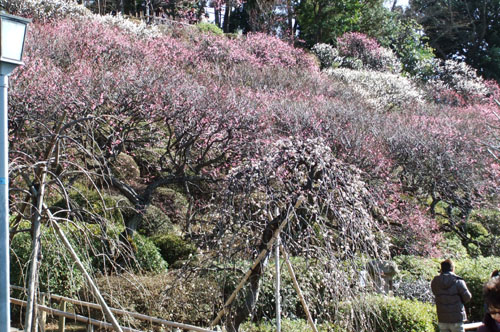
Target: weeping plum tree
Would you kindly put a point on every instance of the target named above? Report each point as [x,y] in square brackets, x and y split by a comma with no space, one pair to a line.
[330,211]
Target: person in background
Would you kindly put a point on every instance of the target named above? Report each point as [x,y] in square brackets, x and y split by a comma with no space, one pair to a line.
[491,293]
[451,294]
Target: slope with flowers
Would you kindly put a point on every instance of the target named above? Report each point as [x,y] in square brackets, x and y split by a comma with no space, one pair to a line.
[172,144]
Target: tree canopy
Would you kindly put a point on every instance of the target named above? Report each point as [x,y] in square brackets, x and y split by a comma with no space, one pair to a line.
[464,29]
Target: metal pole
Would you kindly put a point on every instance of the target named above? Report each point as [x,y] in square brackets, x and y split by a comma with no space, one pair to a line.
[4,209]
[277,290]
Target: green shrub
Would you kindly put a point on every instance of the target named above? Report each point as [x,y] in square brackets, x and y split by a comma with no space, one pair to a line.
[173,203]
[417,268]
[210,28]
[484,229]
[125,167]
[94,206]
[452,247]
[287,325]
[58,273]
[392,314]
[147,255]
[476,272]
[173,247]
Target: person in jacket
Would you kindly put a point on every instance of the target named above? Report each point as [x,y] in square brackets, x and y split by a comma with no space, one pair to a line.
[491,293]
[451,294]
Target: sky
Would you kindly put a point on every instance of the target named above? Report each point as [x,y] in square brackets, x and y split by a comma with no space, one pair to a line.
[402,3]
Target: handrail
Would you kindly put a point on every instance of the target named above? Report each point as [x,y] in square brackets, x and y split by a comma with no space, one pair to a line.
[55,312]
[121,312]
[472,326]
[76,317]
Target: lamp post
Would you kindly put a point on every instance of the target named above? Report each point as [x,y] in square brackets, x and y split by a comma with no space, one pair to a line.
[12,35]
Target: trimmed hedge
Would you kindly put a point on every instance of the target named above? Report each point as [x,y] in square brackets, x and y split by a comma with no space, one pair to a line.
[173,247]
[476,271]
[287,325]
[393,314]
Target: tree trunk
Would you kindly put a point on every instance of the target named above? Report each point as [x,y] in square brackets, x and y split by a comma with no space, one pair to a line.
[217,17]
[290,20]
[30,317]
[270,234]
[227,16]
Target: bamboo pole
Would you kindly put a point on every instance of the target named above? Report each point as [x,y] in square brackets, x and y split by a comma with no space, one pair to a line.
[43,315]
[82,269]
[277,287]
[261,256]
[297,288]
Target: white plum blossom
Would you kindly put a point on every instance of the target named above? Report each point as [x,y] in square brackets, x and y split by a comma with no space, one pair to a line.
[44,9]
[383,91]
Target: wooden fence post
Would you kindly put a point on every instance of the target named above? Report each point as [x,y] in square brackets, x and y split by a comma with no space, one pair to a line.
[42,314]
[62,319]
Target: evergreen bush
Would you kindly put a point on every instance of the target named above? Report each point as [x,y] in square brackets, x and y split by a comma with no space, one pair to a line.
[360,47]
[209,28]
[154,221]
[173,247]
[288,325]
[475,272]
[327,54]
[58,273]
[392,314]
[147,255]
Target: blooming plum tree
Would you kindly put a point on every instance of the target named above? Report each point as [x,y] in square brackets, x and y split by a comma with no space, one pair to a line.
[330,208]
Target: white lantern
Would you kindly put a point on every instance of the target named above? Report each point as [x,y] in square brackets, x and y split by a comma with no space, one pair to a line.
[12,35]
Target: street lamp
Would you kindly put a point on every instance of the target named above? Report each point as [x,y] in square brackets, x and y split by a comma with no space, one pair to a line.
[12,35]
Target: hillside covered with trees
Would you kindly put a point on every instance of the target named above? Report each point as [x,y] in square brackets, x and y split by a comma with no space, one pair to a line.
[169,155]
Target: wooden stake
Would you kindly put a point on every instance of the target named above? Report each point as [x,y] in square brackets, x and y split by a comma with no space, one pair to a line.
[80,266]
[277,286]
[261,256]
[297,288]
[62,319]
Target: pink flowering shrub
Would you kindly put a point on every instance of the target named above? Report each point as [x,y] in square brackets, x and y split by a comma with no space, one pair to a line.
[256,48]
[417,234]
[273,51]
[358,46]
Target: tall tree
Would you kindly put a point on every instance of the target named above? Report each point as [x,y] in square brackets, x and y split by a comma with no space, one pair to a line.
[321,21]
[468,29]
